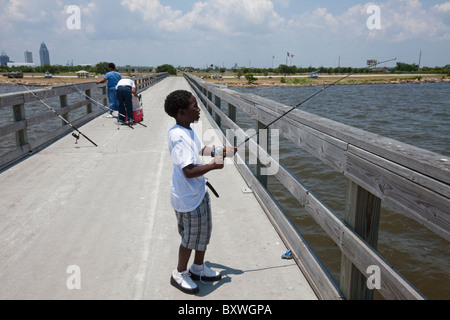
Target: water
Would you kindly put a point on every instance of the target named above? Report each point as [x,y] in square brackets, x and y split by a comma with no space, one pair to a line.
[417,114]
[8,142]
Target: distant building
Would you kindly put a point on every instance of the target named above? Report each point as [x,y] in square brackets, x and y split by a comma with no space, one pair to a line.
[21,64]
[4,59]
[28,57]
[44,54]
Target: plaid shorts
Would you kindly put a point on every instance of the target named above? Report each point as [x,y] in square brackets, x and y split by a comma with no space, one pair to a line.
[195,227]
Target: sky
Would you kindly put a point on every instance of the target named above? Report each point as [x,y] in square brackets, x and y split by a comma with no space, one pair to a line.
[257,33]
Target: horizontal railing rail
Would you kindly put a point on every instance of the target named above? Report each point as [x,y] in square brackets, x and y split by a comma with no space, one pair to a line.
[377,168]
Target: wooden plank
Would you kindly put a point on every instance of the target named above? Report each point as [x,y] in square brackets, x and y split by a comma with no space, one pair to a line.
[411,175]
[19,115]
[20,125]
[425,206]
[13,127]
[362,213]
[10,99]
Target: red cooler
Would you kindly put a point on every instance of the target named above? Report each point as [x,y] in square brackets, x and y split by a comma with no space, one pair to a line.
[138,111]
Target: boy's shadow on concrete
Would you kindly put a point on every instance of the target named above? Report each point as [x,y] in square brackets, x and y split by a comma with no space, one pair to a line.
[207,288]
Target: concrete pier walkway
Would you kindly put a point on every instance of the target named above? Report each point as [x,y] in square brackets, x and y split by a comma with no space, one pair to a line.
[79,222]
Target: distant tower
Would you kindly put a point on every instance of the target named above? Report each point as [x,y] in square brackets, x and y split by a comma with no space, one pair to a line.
[28,57]
[4,59]
[44,54]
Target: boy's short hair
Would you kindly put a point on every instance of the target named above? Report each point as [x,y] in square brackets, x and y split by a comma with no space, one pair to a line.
[112,66]
[177,100]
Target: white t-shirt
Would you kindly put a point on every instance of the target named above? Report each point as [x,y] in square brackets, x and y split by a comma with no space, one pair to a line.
[126,82]
[185,149]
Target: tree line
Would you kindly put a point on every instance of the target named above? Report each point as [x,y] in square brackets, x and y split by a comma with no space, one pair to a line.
[99,68]
[102,67]
[284,69]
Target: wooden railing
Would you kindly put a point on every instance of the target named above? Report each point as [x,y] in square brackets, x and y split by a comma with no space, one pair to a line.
[144,82]
[21,124]
[378,169]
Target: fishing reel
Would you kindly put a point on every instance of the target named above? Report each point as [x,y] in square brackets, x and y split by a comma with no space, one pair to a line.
[76,136]
[220,150]
[217,151]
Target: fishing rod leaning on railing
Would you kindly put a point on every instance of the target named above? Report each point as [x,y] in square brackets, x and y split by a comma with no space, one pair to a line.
[98,104]
[77,133]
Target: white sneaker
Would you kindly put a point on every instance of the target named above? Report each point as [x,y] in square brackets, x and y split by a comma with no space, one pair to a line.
[183,282]
[205,274]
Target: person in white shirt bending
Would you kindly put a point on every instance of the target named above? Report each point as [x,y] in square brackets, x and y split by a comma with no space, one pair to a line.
[125,89]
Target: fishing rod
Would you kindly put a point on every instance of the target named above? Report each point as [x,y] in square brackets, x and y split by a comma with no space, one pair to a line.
[306,100]
[98,104]
[75,135]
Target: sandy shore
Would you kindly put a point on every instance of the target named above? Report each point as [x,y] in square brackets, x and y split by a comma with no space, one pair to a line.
[271,81]
[41,82]
[304,81]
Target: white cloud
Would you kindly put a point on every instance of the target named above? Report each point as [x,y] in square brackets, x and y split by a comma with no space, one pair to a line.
[400,20]
[151,10]
[228,17]
[28,11]
[442,8]
[411,21]
[283,3]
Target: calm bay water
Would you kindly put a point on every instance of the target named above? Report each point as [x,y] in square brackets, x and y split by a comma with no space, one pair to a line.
[416,114]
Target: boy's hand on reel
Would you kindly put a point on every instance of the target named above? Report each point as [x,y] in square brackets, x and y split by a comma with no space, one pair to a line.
[218,162]
[229,151]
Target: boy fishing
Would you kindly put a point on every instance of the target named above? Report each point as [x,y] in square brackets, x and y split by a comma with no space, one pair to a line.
[188,190]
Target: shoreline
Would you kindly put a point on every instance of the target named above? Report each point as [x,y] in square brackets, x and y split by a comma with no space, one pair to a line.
[237,83]
[39,82]
[329,82]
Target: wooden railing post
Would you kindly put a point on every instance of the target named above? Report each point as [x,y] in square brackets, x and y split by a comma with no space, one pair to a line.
[232,112]
[263,138]
[362,213]
[209,95]
[19,115]
[217,118]
[89,106]
[63,104]
[105,95]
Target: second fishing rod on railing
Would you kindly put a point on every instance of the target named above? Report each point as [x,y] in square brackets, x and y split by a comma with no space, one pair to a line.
[77,133]
[306,100]
[98,104]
